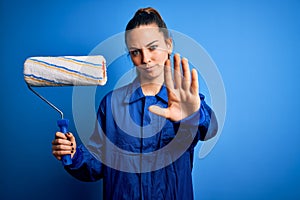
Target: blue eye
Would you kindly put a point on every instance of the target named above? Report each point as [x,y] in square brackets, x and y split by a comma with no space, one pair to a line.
[153,47]
[134,52]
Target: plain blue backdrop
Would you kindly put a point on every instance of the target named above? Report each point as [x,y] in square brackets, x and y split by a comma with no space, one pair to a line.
[255,45]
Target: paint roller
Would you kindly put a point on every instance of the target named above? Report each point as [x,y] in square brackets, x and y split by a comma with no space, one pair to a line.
[64,71]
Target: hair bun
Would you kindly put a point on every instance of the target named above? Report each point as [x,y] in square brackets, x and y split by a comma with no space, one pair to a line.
[149,11]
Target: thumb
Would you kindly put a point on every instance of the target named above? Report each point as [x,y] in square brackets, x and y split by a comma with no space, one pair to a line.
[70,137]
[163,112]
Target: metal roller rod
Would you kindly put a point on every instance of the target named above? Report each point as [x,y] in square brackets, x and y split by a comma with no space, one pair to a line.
[48,102]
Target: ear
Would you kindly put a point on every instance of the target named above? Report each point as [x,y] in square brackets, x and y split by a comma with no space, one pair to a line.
[169,43]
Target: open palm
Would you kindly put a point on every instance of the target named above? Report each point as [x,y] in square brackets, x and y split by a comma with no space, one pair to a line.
[183,96]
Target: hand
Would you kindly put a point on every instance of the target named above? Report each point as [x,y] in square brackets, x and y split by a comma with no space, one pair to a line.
[183,92]
[63,144]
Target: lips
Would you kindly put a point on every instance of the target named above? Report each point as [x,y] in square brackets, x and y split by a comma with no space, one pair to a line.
[149,68]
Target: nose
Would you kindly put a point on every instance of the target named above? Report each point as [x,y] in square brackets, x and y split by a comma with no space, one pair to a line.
[146,56]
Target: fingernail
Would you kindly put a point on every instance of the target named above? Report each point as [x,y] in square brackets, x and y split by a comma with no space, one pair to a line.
[72,151]
[71,144]
[72,148]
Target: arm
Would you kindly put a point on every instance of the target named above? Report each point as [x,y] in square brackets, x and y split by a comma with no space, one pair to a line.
[208,129]
[85,166]
[204,119]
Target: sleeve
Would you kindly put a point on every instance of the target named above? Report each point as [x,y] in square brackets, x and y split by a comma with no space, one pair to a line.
[86,163]
[85,166]
[204,121]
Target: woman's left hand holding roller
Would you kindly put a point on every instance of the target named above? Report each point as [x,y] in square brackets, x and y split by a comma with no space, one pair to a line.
[63,144]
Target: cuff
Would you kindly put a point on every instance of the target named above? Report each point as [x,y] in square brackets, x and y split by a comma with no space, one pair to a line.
[76,160]
[195,119]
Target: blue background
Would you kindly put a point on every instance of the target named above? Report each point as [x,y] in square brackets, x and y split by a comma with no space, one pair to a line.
[255,45]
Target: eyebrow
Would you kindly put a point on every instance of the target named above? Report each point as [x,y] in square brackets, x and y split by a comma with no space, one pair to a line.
[133,48]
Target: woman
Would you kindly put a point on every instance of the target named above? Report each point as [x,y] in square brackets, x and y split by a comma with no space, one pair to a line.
[178,119]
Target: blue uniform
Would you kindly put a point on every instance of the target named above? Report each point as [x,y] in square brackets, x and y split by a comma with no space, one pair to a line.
[140,155]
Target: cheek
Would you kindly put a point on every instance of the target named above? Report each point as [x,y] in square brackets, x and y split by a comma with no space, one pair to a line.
[162,57]
[136,60]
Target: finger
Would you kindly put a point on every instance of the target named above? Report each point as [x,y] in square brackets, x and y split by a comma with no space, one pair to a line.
[72,139]
[61,142]
[195,82]
[163,112]
[168,75]
[177,72]
[60,135]
[62,147]
[56,156]
[186,74]
[60,153]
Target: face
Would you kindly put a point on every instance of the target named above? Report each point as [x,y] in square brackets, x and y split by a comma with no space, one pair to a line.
[148,51]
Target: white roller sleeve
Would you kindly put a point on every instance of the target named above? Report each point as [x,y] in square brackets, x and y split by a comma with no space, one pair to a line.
[65,71]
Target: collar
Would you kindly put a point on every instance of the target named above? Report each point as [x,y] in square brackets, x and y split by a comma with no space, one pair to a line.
[135,93]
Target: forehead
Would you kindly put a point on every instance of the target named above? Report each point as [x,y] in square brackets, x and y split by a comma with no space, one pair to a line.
[143,35]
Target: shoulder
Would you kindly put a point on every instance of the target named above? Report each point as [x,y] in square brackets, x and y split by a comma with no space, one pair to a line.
[119,94]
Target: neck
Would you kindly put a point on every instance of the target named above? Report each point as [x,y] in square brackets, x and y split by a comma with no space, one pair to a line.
[151,88]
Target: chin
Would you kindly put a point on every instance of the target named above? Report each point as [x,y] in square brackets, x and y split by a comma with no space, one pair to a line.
[151,77]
